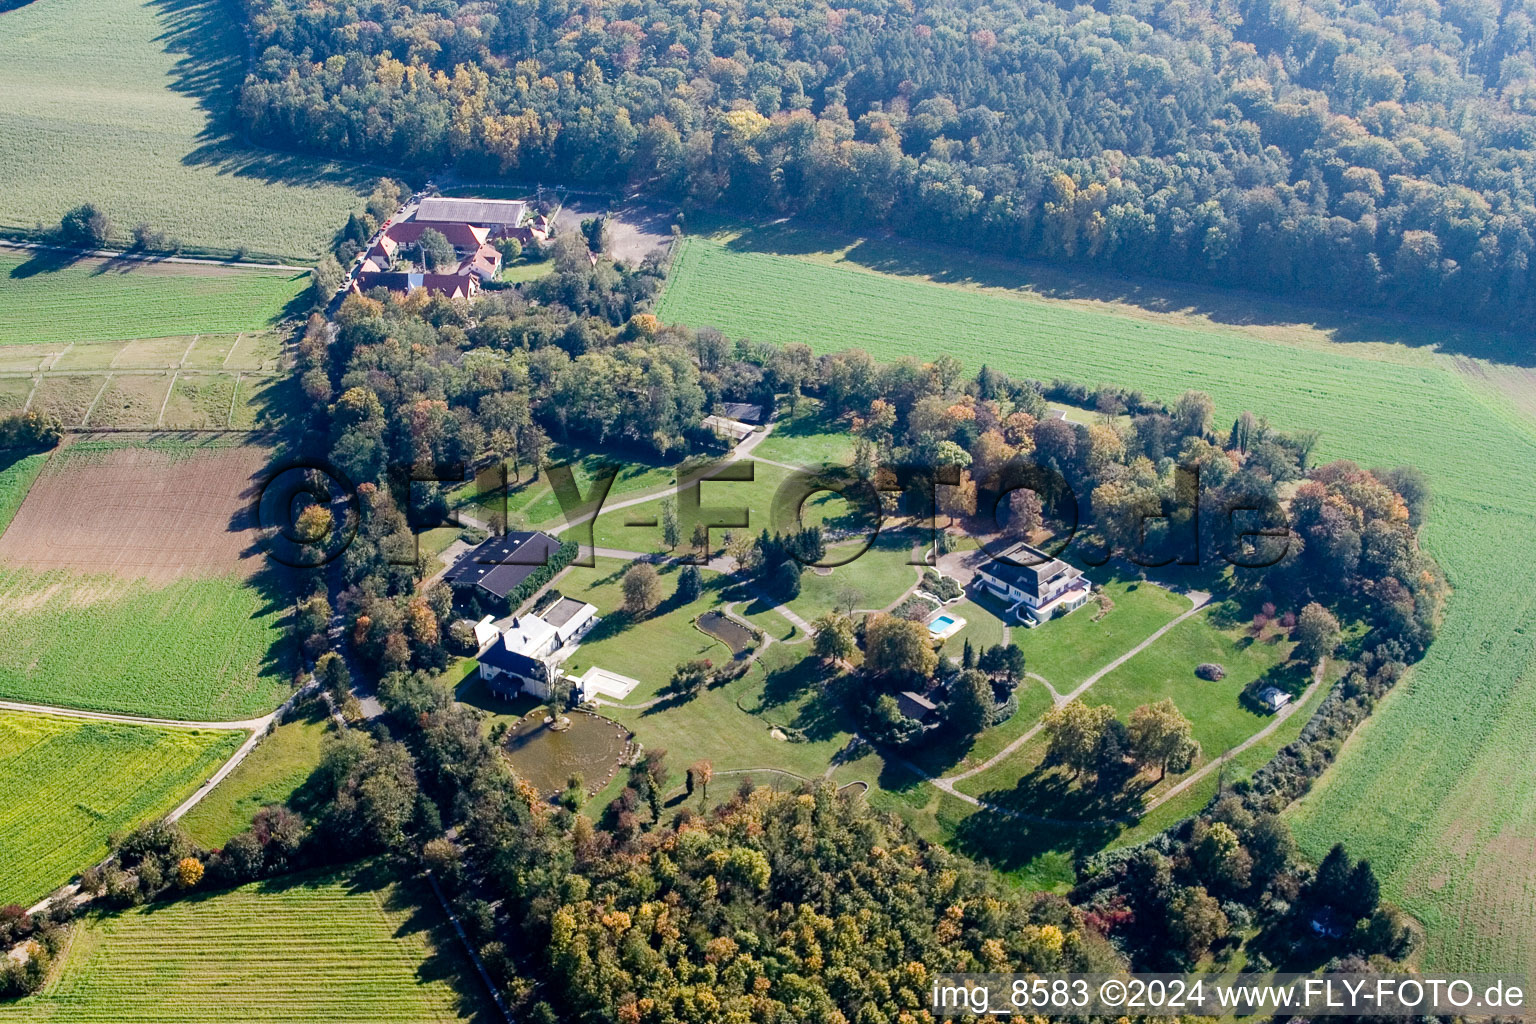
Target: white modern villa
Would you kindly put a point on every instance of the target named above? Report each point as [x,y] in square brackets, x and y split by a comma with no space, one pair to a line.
[527,653]
[1033,584]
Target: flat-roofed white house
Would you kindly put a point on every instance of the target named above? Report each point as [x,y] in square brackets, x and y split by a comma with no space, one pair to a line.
[526,654]
[1034,584]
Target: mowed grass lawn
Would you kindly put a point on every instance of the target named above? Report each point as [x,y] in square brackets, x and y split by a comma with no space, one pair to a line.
[271,774]
[113,101]
[732,725]
[880,575]
[343,946]
[646,649]
[86,301]
[1435,788]
[1068,650]
[71,783]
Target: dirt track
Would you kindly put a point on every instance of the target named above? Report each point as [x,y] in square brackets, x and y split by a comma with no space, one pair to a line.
[138,512]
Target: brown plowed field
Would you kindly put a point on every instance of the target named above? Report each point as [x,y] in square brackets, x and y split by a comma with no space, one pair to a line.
[156,513]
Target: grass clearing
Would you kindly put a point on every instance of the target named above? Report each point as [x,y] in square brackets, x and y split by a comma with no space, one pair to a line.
[1069,650]
[131,400]
[347,945]
[273,773]
[67,396]
[122,103]
[71,783]
[1434,789]
[52,302]
[880,576]
[647,650]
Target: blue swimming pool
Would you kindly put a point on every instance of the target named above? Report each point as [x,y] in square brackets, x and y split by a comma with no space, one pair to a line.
[940,624]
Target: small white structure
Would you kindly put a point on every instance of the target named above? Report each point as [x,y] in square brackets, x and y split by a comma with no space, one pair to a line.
[1273,698]
[733,430]
[599,682]
[527,653]
[1034,584]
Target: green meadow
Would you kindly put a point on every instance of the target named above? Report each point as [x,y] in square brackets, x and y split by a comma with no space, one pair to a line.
[93,300]
[1435,789]
[123,103]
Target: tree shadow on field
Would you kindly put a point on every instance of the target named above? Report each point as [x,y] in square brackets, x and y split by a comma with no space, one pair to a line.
[45,261]
[1223,306]
[213,54]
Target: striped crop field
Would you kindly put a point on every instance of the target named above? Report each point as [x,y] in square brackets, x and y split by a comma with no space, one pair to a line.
[71,783]
[85,302]
[1436,788]
[302,948]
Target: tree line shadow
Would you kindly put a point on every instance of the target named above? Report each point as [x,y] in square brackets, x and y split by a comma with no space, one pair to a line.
[1226,306]
[212,53]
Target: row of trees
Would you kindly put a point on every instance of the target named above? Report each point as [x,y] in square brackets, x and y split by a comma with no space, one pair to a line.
[1365,156]
[1091,740]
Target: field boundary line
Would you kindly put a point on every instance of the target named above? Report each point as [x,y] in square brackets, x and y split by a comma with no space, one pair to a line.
[38,379]
[56,357]
[231,353]
[23,707]
[114,254]
[474,954]
[183,361]
[167,400]
[86,419]
[234,393]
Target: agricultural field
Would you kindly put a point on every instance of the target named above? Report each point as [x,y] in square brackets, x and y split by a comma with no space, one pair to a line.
[53,304]
[1434,789]
[125,586]
[121,103]
[344,946]
[273,773]
[71,783]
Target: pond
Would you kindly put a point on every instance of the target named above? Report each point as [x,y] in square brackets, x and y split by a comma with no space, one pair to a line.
[728,631]
[592,747]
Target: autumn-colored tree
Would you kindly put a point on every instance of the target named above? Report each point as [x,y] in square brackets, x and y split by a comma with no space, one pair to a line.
[1025,512]
[421,623]
[699,774]
[958,500]
[1195,920]
[189,871]
[313,524]
[898,647]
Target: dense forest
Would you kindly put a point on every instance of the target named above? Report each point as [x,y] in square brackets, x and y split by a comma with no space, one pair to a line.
[1378,153]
